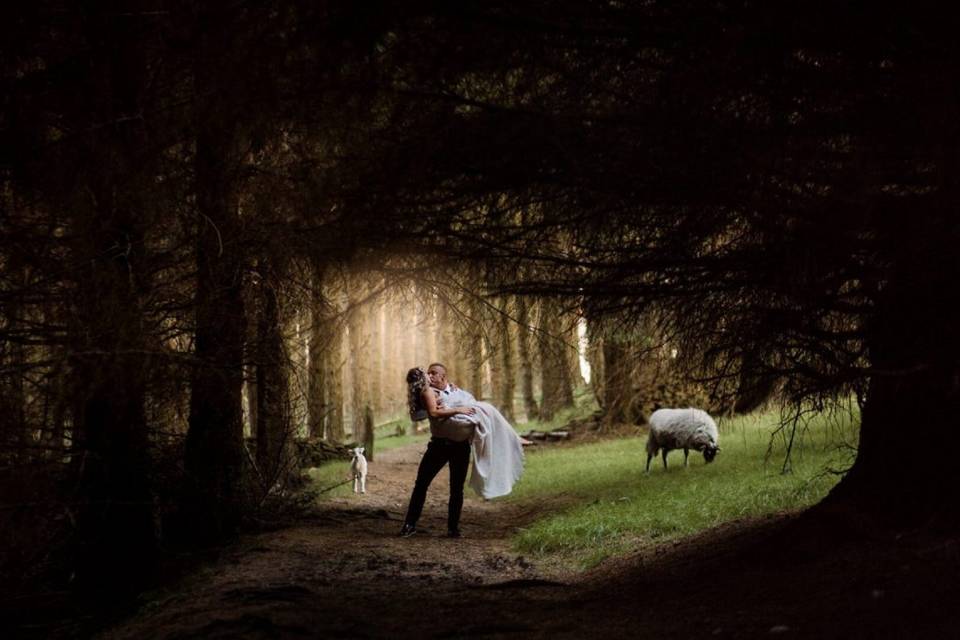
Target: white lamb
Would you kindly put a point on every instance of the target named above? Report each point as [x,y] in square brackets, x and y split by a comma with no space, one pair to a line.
[358,469]
[682,429]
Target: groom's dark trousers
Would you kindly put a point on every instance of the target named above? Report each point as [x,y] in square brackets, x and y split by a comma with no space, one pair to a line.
[441,451]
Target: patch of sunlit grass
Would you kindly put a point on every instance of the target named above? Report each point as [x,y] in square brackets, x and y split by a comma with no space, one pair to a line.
[387,435]
[618,507]
[392,441]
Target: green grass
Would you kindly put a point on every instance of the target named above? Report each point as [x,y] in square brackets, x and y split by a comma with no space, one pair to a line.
[385,435]
[328,476]
[618,508]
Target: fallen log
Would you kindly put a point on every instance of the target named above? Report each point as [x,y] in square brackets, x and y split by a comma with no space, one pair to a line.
[548,436]
[312,452]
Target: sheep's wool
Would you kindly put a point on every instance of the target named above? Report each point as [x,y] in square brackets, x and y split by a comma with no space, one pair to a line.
[683,429]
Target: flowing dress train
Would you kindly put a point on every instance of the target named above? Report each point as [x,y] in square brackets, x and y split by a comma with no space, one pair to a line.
[497,452]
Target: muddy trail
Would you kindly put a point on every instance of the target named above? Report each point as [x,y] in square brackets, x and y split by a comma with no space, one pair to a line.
[344,573]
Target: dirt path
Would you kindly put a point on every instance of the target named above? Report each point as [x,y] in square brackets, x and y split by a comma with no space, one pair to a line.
[330,575]
[345,574]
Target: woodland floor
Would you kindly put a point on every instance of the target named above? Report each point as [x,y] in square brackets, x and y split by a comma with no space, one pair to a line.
[343,573]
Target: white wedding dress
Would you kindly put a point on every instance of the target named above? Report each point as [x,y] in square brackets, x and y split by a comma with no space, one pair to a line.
[497,452]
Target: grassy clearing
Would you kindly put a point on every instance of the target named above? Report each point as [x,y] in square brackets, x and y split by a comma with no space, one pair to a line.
[386,438]
[619,508]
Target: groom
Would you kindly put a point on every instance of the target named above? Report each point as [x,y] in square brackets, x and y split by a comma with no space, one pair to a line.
[449,444]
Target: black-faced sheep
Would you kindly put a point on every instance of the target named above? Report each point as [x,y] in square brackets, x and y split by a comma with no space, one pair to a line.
[682,429]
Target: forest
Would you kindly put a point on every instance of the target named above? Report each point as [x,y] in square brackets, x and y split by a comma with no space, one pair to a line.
[229,228]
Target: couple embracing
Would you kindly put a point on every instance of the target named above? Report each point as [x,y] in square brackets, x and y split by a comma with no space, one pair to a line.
[459,425]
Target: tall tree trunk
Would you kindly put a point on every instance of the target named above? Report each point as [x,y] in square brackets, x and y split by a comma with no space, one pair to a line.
[214,446]
[456,346]
[913,399]
[567,359]
[409,338]
[471,339]
[620,403]
[572,353]
[249,396]
[507,368]
[754,385]
[474,343]
[889,475]
[368,432]
[443,341]
[115,522]
[492,352]
[594,356]
[53,438]
[424,339]
[555,375]
[436,331]
[526,361]
[318,395]
[60,417]
[274,431]
[334,430]
[296,337]
[421,337]
[115,535]
[396,347]
[14,431]
[358,327]
[374,316]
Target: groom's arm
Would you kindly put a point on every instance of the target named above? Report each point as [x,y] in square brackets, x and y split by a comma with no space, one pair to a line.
[434,410]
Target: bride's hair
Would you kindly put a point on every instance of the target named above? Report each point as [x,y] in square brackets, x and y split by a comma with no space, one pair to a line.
[416,381]
[417,375]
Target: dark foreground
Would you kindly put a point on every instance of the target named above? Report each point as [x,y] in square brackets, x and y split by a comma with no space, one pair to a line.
[343,573]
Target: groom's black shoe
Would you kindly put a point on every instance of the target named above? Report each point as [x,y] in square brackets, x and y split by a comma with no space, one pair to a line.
[453,533]
[407,530]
